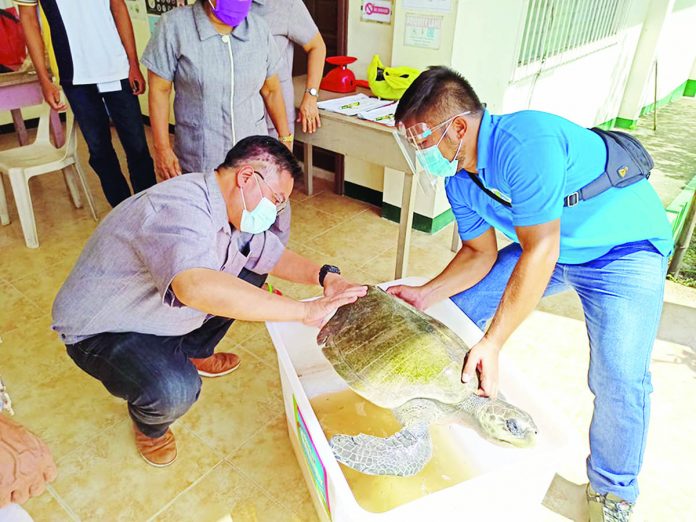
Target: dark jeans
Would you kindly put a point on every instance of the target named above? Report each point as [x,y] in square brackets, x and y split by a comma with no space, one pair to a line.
[153,373]
[90,108]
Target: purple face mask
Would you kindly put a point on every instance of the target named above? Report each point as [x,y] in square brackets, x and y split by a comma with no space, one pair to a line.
[231,12]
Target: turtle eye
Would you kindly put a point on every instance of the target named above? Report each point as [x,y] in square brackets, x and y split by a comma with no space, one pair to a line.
[513,427]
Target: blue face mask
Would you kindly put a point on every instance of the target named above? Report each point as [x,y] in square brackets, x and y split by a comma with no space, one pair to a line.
[261,218]
[434,163]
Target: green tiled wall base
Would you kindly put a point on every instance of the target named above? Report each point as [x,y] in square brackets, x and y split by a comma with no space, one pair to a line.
[393,213]
[422,223]
[688,88]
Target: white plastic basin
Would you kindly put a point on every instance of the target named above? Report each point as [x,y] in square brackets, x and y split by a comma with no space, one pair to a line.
[506,483]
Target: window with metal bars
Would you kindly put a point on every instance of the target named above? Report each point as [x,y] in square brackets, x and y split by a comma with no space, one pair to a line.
[556,27]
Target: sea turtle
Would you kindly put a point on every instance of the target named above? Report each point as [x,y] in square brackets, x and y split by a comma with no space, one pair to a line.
[400,358]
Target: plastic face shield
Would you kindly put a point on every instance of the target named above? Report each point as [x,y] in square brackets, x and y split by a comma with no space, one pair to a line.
[421,136]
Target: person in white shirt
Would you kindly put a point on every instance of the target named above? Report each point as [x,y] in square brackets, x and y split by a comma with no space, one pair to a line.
[98,67]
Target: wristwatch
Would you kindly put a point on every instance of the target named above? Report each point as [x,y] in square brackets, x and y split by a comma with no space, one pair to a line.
[327,269]
[286,139]
[312,92]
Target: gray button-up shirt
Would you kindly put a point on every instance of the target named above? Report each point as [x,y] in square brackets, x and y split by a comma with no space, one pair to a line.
[290,23]
[121,281]
[187,50]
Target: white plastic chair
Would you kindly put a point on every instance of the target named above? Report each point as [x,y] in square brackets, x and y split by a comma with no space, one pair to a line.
[41,157]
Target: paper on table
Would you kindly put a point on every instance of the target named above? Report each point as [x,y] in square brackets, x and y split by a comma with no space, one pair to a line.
[383,115]
[352,105]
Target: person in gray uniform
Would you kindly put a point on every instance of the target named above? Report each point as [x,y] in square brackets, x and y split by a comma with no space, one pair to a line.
[223,64]
[291,24]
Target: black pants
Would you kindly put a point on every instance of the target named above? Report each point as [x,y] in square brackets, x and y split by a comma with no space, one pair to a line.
[90,108]
[153,373]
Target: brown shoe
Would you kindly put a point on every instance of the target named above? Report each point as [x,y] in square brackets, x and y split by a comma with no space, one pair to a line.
[217,365]
[159,452]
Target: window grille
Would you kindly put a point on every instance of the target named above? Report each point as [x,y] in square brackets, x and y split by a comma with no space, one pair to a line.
[563,29]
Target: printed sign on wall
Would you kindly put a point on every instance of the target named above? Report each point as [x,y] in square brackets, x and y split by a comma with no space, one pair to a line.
[377,11]
[423,31]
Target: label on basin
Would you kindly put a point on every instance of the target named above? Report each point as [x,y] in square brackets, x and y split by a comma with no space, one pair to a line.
[316,466]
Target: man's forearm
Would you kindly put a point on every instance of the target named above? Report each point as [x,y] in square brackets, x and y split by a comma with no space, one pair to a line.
[525,288]
[32,33]
[466,269]
[297,269]
[224,295]
[125,30]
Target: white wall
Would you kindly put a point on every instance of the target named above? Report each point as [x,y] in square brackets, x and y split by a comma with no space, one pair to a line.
[485,46]
[588,89]
[676,53]
[432,203]
[366,39]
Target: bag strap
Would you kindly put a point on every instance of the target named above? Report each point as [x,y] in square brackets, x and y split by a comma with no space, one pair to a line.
[490,193]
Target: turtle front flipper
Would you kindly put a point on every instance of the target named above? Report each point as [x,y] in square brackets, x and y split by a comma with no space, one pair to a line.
[403,454]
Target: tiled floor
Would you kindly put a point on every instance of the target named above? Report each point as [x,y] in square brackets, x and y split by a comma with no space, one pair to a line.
[234,454]
[235,458]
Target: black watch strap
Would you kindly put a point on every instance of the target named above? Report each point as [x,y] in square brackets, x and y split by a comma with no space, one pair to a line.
[327,269]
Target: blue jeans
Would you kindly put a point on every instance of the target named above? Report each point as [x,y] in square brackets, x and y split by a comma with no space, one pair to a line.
[153,373]
[621,295]
[90,108]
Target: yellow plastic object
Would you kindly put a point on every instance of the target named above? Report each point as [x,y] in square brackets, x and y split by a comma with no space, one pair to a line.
[389,83]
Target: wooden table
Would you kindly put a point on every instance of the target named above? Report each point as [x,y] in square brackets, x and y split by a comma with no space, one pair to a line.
[367,141]
[22,89]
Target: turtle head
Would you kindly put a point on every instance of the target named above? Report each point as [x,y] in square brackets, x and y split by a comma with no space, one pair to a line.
[506,423]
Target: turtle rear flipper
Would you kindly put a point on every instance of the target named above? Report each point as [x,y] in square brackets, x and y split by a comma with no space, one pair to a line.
[403,454]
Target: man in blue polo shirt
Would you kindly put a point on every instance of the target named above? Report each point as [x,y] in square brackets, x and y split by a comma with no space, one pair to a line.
[522,174]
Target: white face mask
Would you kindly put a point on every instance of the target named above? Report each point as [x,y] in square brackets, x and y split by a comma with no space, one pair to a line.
[261,218]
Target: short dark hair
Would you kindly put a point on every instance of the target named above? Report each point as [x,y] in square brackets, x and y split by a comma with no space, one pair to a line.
[438,90]
[265,149]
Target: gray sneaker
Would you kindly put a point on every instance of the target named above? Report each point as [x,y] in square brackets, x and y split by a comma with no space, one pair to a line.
[608,507]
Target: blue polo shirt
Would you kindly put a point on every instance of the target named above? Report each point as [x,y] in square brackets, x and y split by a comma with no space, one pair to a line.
[534,159]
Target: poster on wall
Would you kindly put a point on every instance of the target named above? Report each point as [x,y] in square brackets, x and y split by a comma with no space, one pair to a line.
[377,11]
[423,31]
[429,5]
[156,8]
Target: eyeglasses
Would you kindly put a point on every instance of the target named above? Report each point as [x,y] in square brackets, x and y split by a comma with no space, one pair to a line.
[279,199]
[418,135]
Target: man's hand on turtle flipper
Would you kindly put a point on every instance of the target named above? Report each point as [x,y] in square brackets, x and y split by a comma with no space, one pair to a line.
[416,296]
[335,284]
[317,311]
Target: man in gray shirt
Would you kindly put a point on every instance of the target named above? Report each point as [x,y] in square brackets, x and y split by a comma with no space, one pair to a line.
[162,278]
